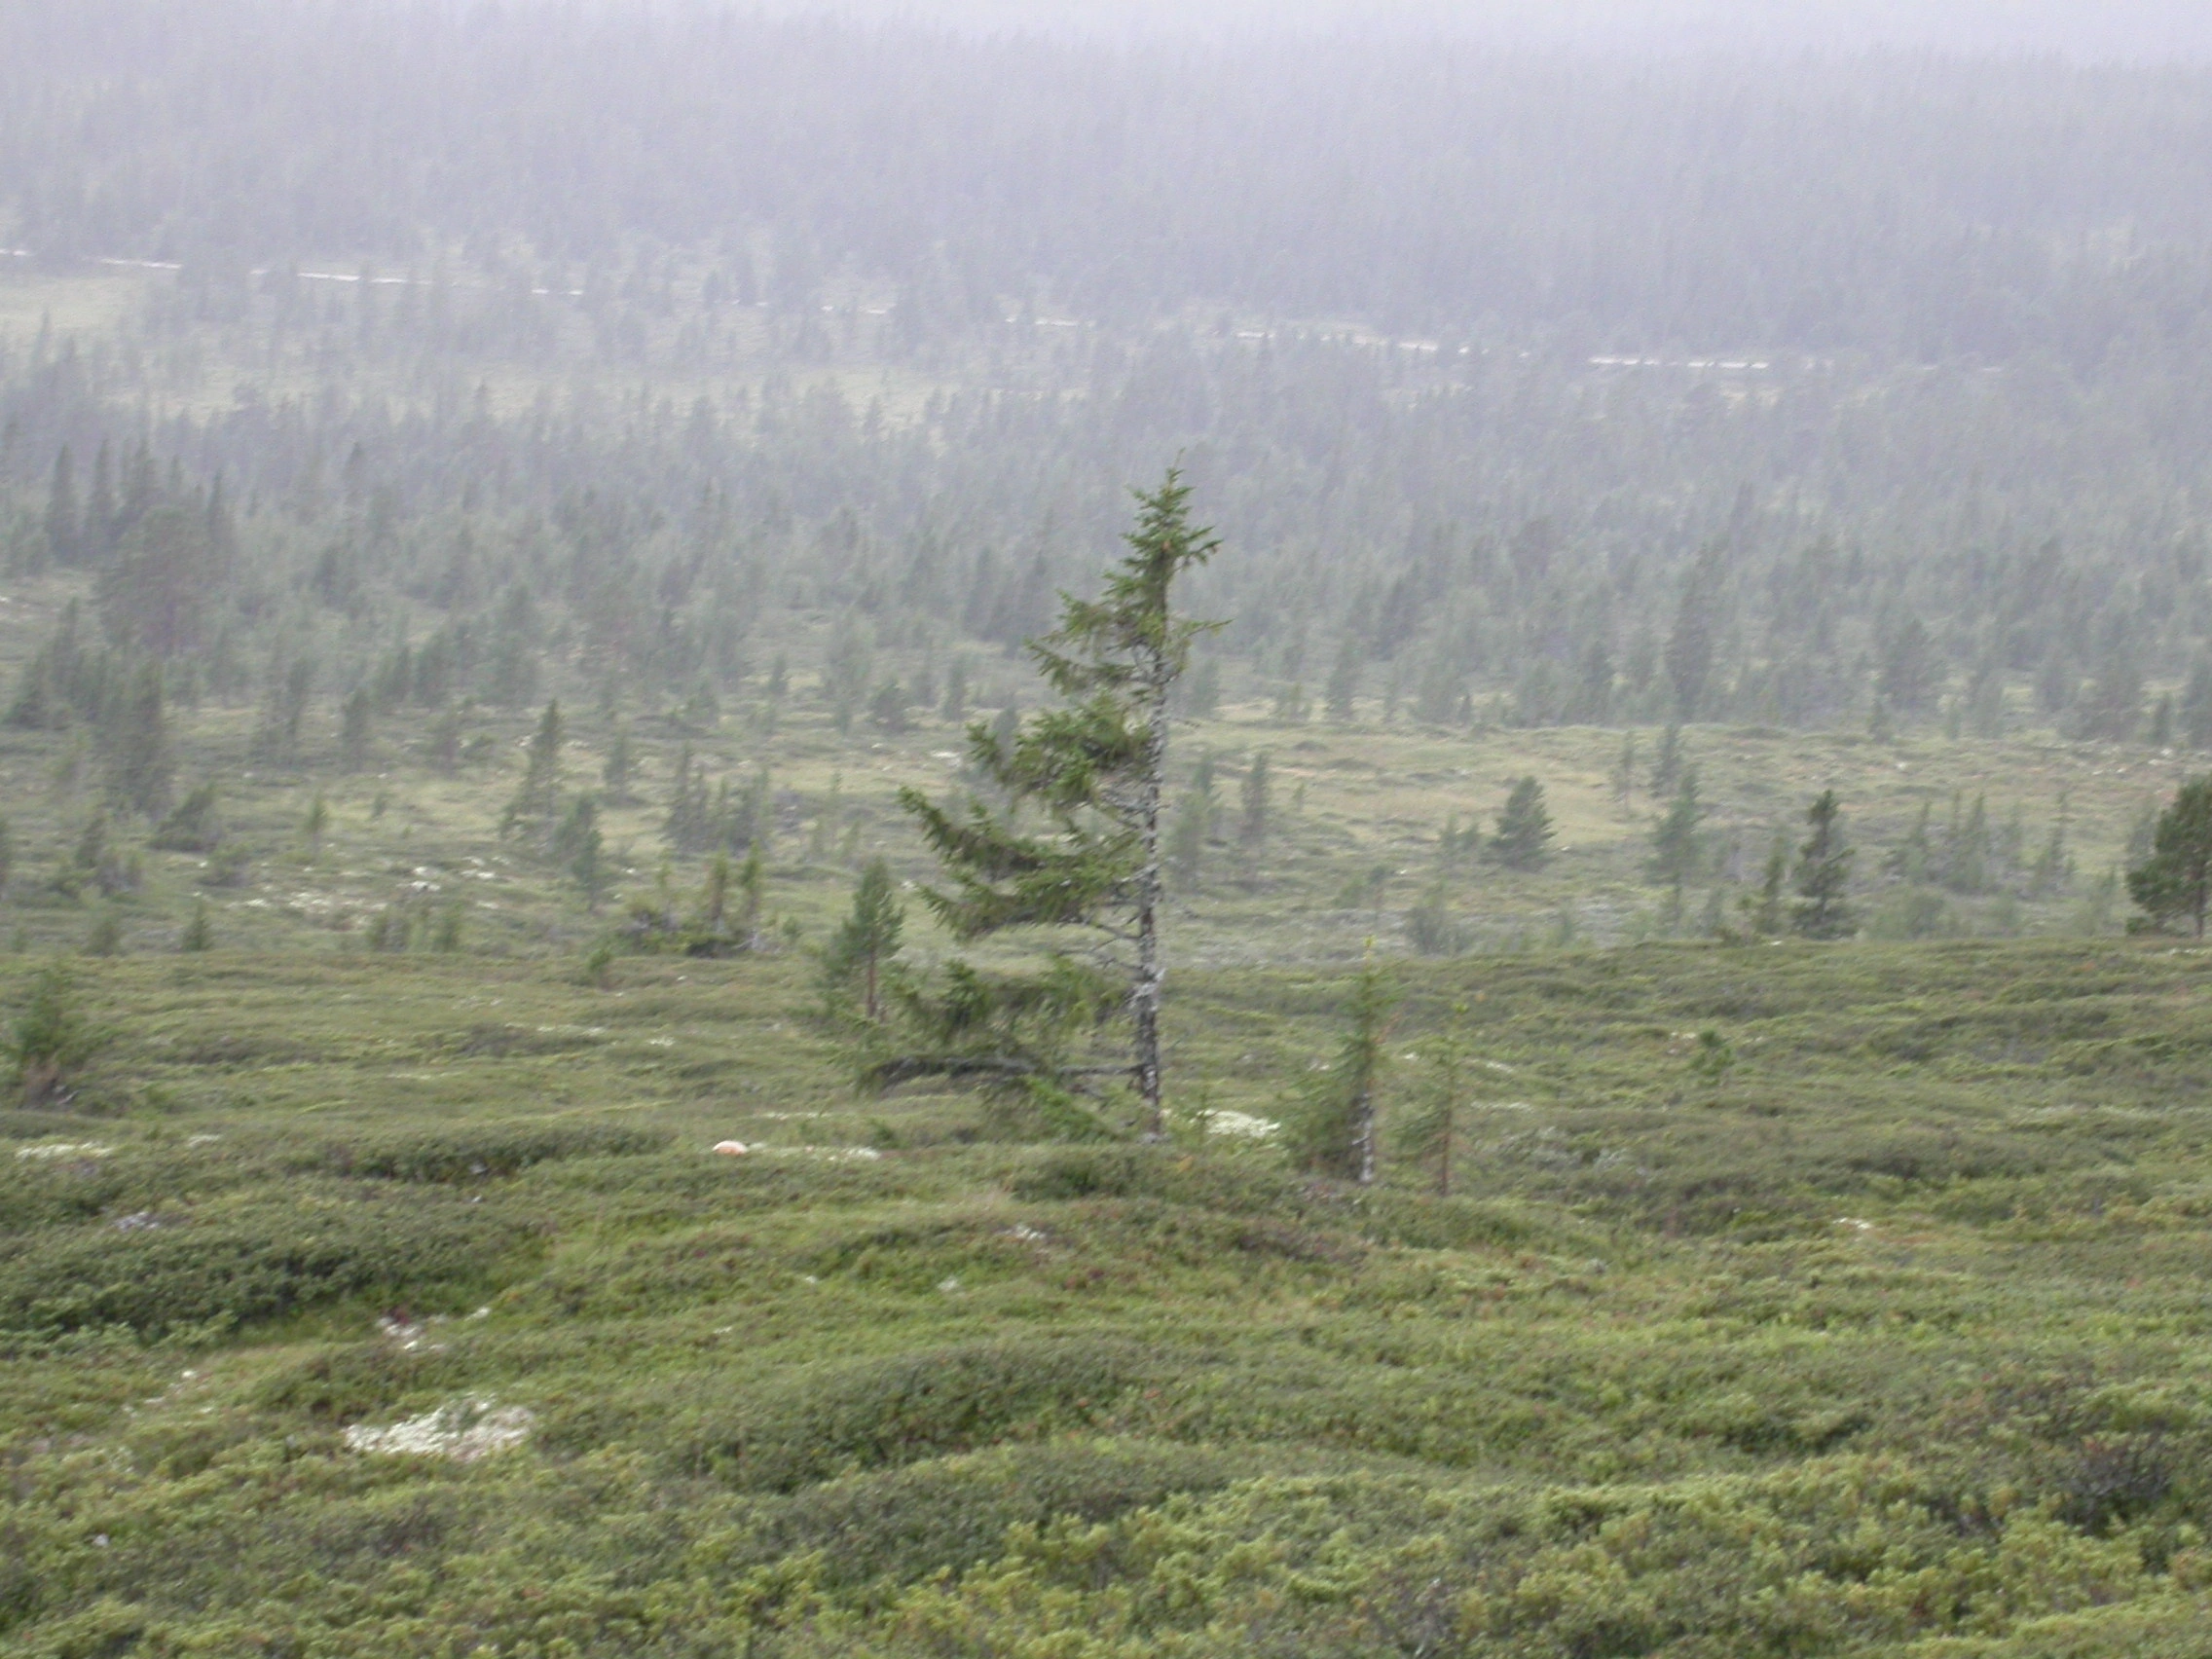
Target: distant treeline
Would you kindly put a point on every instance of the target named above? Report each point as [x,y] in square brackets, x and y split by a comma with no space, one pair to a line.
[1905,205]
[1524,389]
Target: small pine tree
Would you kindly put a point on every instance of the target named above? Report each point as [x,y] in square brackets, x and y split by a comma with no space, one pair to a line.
[2175,881]
[579,848]
[198,934]
[135,741]
[751,897]
[1344,681]
[316,823]
[105,936]
[441,744]
[1678,844]
[1915,857]
[531,811]
[863,951]
[887,708]
[1254,803]
[1333,1131]
[356,729]
[52,1040]
[192,824]
[1426,1133]
[1768,916]
[1191,829]
[1202,700]
[1524,829]
[1823,874]
[1624,773]
[621,767]
[2193,717]
[1667,764]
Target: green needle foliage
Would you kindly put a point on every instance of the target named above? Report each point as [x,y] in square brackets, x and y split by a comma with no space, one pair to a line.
[863,953]
[1524,829]
[1095,770]
[531,811]
[1823,874]
[1332,1129]
[2175,882]
[51,1040]
[1678,844]
[1425,1134]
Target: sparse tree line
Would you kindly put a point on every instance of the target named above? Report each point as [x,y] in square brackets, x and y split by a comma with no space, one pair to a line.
[1062,1045]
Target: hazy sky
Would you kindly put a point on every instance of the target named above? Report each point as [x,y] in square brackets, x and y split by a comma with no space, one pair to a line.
[2135,29]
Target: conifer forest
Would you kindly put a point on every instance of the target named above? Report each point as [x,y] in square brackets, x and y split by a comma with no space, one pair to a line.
[1105,832]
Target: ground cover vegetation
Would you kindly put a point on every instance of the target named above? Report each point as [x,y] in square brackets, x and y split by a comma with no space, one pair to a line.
[659,1000]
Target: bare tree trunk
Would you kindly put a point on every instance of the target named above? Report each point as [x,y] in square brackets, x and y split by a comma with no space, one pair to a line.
[1145,994]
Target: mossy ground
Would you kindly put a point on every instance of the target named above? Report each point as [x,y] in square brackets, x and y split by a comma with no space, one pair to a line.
[1892,1339]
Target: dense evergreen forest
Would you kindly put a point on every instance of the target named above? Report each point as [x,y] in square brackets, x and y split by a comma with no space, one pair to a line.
[1530,388]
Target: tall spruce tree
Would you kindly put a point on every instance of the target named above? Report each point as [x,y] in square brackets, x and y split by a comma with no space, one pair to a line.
[1823,874]
[2174,883]
[1095,770]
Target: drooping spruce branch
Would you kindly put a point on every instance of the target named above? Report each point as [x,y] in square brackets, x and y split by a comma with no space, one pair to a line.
[1090,775]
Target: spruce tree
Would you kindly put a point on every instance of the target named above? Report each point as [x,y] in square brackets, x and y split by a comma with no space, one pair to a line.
[1678,846]
[861,954]
[1254,803]
[356,726]
[1425,1135]
[135,737]
[1095,768]
[1624,773]
[620,766]
[1667,765]
[579,847]
[531,811]
[1344,681]
[1193,828]
[1823,874]
[65,542]
[2193,717]
[1524,829]
[1334,1130]
[51,1039]
[2175,881]
[1767,912]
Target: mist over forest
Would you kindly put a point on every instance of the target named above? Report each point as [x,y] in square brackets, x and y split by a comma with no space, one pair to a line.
[1105,829]
[1491,362]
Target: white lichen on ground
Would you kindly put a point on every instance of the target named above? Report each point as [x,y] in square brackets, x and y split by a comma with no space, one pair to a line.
[461,1431]
[64,1149]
